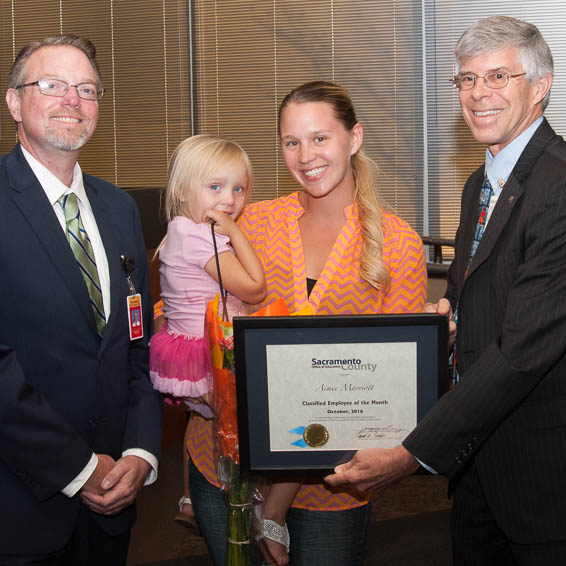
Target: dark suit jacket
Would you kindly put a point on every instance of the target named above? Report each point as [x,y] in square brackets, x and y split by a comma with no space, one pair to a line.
[508,413]
[65,394]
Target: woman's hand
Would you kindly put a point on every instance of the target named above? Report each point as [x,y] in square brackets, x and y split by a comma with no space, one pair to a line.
[443,307]
[158,323]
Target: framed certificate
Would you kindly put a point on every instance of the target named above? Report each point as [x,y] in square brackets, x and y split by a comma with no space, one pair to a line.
[312,390]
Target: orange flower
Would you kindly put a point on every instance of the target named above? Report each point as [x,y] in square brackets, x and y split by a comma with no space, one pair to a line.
[226,413]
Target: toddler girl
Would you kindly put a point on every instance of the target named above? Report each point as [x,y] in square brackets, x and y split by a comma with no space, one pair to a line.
[209,180]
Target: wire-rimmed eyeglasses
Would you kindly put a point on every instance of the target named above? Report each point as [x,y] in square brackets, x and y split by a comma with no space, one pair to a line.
[56,87]
[497,79]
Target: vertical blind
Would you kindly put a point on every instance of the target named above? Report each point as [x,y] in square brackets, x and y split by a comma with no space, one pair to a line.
[453,152]
[250,54]
[142,51]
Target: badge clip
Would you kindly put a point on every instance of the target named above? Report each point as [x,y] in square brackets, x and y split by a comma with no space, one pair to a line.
[133,300]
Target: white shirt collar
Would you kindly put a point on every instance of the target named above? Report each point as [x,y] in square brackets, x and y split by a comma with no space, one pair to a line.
[53,187]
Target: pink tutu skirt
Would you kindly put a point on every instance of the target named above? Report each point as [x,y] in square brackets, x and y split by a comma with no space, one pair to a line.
[180,366]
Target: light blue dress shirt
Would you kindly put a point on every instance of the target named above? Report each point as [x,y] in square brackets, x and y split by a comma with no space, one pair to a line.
[499,168]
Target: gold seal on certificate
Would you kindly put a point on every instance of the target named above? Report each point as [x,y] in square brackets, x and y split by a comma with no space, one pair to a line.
[315,435]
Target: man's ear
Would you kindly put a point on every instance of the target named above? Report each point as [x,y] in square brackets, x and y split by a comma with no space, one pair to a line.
[542,87]
[13,101]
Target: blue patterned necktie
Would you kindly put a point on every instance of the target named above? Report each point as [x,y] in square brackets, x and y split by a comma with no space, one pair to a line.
[82,250]
[485,197]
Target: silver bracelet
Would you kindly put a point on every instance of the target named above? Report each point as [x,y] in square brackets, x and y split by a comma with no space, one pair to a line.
[276,532]
[184,501]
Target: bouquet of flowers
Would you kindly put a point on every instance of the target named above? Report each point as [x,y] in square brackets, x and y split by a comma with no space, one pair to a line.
[221,338]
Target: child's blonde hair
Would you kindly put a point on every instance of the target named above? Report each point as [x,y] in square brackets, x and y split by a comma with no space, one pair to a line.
[194,160]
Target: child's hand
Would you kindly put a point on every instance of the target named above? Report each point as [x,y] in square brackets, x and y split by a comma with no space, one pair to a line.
[223,224]
[274,552]
[275,542]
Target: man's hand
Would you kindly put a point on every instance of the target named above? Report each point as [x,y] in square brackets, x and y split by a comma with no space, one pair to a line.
[372,468]
[443,307]
[120,486]
[94,483]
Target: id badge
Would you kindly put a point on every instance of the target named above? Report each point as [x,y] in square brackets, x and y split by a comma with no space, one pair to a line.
[135,316]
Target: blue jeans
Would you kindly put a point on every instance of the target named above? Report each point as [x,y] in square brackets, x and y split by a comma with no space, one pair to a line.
[328,538]
[211,512]
[318,538]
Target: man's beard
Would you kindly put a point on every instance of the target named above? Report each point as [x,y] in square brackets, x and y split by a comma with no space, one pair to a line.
[61,141]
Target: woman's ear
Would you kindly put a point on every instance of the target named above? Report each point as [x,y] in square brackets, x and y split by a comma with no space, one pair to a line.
[357,133]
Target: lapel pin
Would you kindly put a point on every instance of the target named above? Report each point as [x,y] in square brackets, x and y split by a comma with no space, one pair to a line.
[511,199]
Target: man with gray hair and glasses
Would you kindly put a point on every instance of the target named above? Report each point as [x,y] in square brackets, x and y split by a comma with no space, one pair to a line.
[499,435]
[80,423]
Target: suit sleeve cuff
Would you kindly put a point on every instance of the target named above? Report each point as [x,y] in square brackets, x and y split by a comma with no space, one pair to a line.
[72,488]
[428,468]
[149,458]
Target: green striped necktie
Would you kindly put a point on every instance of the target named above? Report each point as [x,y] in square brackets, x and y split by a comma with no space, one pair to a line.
[82,249]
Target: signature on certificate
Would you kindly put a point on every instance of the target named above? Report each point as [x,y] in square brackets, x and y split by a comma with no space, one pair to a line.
[379,431]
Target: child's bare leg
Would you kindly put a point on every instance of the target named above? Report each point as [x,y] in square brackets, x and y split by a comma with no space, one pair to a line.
[186,515]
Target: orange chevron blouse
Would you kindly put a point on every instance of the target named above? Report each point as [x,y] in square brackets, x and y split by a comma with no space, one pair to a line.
[273,229]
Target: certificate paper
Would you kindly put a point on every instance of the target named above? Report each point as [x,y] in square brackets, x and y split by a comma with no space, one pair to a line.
[341,396]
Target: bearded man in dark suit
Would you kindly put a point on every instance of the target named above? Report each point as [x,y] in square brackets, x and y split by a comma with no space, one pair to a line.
[500,434]
[80,424]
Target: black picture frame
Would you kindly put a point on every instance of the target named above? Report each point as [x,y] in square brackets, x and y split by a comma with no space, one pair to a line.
[252,335]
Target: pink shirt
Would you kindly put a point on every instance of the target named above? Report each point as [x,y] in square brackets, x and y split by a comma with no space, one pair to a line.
[185,285]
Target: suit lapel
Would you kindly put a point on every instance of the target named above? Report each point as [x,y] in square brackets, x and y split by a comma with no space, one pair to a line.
[468,221]
[31,199]
[510,195]
[109,235]
[506,202]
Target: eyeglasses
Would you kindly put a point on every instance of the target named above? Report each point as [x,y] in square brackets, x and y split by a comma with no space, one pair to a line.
[55,87]
[497,79]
